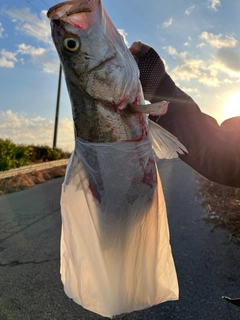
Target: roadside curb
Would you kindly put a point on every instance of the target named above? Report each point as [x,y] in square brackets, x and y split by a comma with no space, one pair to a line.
[38,167]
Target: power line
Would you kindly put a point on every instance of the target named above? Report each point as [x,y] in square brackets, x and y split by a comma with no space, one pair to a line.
[29,1]
[46,3]
[43,1]
[2,14]
[35,25]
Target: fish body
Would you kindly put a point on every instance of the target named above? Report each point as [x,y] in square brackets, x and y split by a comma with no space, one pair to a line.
[101,74]
[102,78]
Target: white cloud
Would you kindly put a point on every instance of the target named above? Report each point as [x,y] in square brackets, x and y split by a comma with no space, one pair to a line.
[191,90]
[1,30]
[8,59]
[173,52]
[124,34]
[28,49]
[35,26]
[22,129]
[211,72]
[168,23]
[31,24]
[39,56]
[228,81]
[189,10]
[218,41]
[200,45]
[196,69]
[214,4]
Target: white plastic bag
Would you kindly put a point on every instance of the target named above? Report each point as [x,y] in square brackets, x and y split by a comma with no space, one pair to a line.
[115,251]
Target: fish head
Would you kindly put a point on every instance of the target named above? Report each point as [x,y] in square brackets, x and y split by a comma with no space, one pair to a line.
[93,54]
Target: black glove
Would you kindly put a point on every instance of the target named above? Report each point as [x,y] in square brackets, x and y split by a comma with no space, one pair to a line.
[152,69]
[214,151]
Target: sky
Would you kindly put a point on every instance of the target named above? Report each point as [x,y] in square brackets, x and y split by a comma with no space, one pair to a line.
[199,42]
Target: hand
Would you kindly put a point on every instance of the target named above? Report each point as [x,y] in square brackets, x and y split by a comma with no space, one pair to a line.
[135,48]
[151,66]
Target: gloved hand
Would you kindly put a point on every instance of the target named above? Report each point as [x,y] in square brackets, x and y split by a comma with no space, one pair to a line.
[156,83]
[151,66]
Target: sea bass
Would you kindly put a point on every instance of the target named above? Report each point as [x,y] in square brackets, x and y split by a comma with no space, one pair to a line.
[101,74]
[115,252]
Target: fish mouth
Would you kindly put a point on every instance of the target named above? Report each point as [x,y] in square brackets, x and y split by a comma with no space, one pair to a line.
[71,7]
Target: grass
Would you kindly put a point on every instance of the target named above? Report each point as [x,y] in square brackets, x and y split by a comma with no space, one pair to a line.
[24,181]
[222,205]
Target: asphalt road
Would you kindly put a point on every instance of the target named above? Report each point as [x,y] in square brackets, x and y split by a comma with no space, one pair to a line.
[30,287]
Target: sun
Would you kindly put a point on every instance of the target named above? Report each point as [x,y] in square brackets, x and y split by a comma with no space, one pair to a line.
[232,107]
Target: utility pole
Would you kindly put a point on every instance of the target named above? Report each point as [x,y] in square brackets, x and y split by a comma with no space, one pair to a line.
[57,107]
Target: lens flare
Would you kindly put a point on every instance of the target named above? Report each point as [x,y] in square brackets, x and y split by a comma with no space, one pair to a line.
[232,107]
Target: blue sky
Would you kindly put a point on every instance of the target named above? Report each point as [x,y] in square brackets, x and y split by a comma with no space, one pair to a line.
[198,40]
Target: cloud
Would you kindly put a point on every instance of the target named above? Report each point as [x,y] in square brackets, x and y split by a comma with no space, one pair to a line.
[22,129]
[39,56]
[1,30]
[218,41]
[214,4]
[168,23]
[35,26]
[124,34]
[229,58]
[196,69]
[188,69]
[28,49]
[8,59]
[211,72]
[31,24]
[49,64]
[173,52]
[200,45]
[189,10]
[191,90]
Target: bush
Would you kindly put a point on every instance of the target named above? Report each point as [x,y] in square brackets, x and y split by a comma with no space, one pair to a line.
[45,153]
[15,156]
[12,156]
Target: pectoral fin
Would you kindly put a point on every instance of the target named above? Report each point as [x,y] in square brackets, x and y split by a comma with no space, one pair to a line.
[155,109]
[165,145]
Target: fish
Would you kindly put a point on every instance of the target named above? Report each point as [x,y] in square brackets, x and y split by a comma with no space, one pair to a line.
[114,242]
[101,74]
[102,78]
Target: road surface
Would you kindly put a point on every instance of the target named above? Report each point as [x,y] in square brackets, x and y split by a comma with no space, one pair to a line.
[207,263]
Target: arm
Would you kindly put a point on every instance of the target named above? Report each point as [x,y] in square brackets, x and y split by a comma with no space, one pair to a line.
[214,151]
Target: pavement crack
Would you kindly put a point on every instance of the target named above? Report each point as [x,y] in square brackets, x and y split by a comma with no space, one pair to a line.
[28,226]
[18,263]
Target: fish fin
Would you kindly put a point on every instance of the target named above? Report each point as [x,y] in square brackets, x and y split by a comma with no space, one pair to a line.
[155,109]
[165,145]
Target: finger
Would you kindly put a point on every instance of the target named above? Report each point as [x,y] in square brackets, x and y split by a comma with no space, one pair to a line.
[135,48]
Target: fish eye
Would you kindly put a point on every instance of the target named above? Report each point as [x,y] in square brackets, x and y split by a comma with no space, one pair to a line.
[71,44]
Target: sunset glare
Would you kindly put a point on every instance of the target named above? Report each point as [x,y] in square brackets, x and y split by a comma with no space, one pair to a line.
[232,107]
